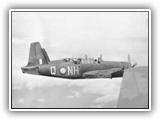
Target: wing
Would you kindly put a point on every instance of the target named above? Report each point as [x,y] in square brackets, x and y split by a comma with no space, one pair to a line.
[101,73]
[134,92]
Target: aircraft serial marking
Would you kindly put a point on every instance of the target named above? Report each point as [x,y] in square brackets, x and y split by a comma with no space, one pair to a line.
[53,70]
[71,70]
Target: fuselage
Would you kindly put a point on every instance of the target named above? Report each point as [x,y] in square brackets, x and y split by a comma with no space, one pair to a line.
[75,71]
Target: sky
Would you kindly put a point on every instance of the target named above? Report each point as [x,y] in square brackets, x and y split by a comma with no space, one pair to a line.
[75,34]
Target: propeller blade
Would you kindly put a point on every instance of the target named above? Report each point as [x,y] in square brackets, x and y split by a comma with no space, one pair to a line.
[135,64]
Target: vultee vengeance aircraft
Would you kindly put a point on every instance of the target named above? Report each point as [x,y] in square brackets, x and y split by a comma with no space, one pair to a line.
[40,64]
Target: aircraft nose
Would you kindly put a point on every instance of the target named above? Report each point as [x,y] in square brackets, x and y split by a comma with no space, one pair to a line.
[127,65]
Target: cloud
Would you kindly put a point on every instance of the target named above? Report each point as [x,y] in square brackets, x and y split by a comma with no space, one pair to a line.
[21,100]
[70,96]
[97,106]
[98,86]
[108,88]
[75,94]
[107,98]
[20,81]
[40,100]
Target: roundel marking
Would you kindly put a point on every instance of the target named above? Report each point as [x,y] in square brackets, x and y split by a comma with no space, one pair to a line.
[63,70]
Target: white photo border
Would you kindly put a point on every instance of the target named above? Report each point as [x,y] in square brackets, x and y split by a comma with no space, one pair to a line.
[79,10]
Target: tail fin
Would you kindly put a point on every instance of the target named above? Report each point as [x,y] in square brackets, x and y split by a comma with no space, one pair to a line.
[37,55]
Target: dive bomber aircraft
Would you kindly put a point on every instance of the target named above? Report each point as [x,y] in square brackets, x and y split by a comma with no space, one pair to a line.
[40,64]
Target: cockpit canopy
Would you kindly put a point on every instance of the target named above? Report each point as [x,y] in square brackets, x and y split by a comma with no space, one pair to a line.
[87,61]
[83,60]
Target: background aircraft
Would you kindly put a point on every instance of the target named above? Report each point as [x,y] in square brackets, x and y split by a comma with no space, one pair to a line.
[40,64]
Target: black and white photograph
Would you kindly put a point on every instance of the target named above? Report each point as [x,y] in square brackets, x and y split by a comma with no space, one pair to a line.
[80,59]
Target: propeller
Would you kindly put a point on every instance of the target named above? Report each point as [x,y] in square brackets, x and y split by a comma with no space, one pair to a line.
[135,64]
[129,60]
